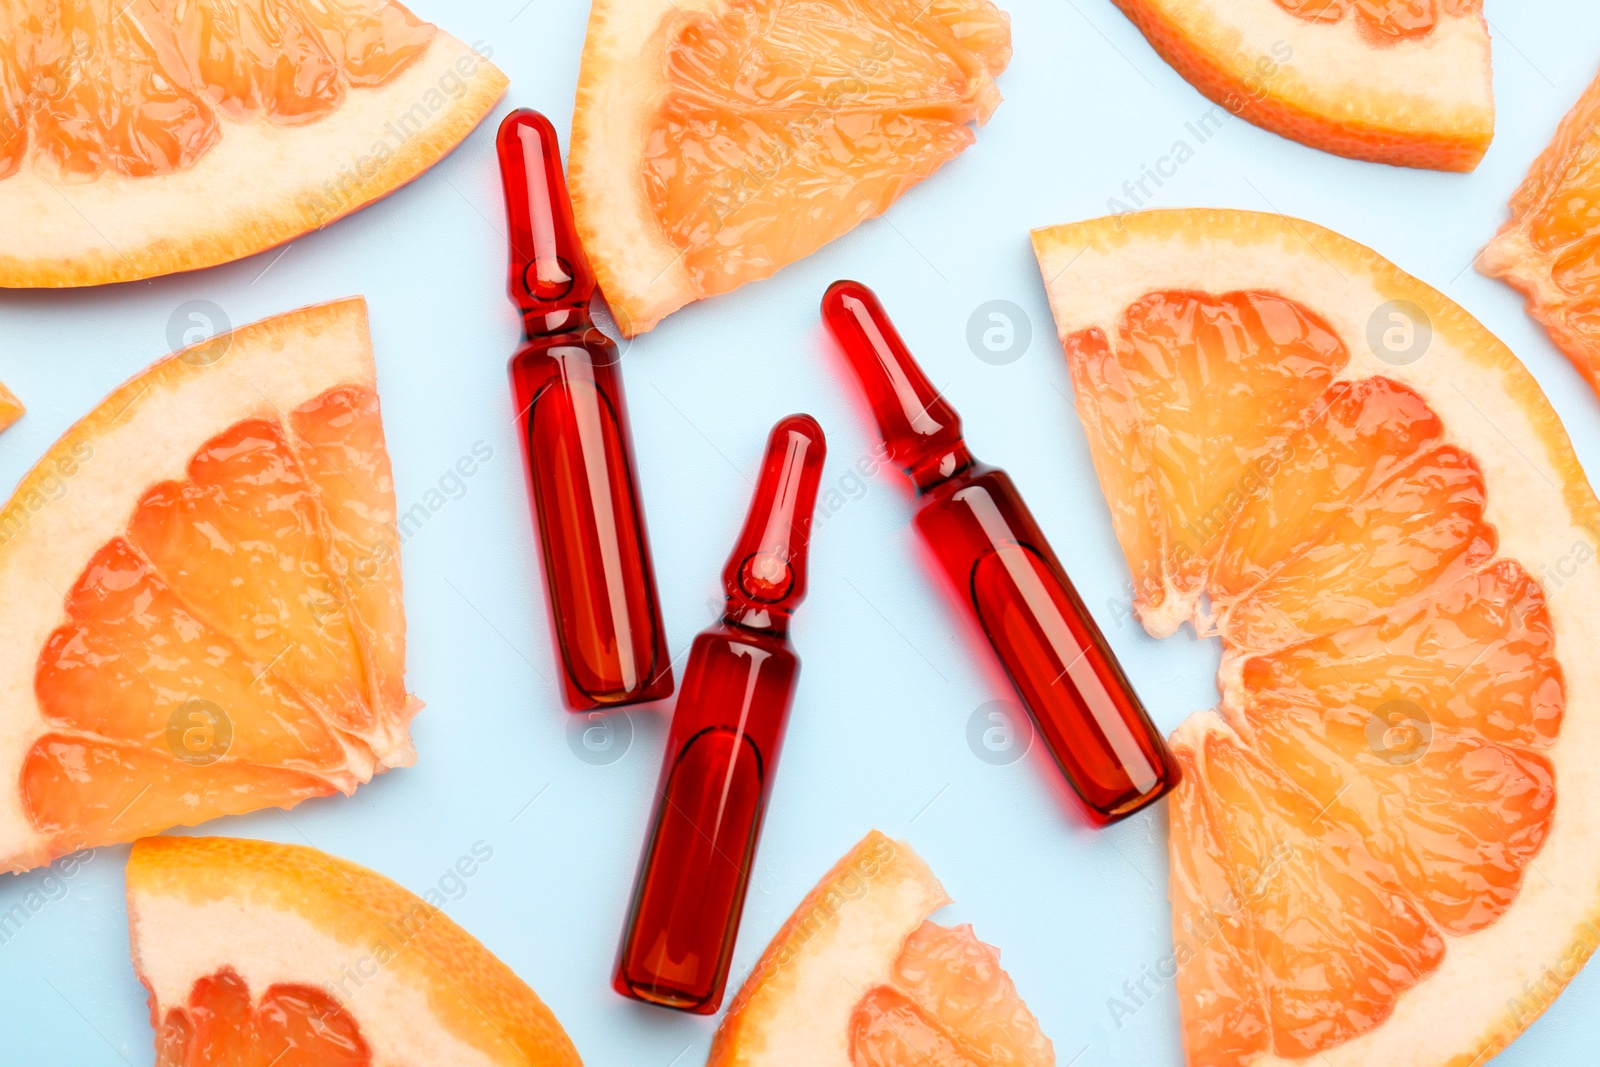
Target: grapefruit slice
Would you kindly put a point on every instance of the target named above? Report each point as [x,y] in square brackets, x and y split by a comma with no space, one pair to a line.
[152,136]
[858,977]
[201,582]
[715,141]
[1391,81]
[11,408]
[266,955]
[1550,247]
[1382,850]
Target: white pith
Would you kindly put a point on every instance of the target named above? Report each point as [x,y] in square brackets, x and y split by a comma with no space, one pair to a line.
[1477,999]
[166,414]
[1436,81]
[259,185]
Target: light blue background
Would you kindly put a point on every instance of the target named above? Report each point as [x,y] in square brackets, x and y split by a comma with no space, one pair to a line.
[878,734]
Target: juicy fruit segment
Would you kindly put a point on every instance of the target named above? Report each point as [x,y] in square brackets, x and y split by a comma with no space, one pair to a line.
[291,1025]
[143,88]
[1550,249]
[785,123]
[218,657]
[1176,350]
[948,1004]
[1378,783]
[1384,19]
[1478,655]
[1327,937]
[346,462]
[242,539]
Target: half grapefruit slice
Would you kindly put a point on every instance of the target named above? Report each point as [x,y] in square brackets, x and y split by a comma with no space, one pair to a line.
[151,136]
[859,978]
[202,586]
[265,955]
[1382,850]
[1550,247]
[1392,81]
[715,141]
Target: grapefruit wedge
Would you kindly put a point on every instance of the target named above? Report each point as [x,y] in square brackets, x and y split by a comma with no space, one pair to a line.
[265,955]
[201,582]
[150,136]
[1391,81]
[1382,851]
[858,977]
[11,408]
[715,141]
[1550,247]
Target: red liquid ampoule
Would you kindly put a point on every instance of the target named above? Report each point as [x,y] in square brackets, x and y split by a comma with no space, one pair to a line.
[722,749]
[991,549]
[576,444]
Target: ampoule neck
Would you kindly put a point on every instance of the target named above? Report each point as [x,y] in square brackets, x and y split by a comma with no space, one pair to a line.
[932,471]
[545,323]
[750,617]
